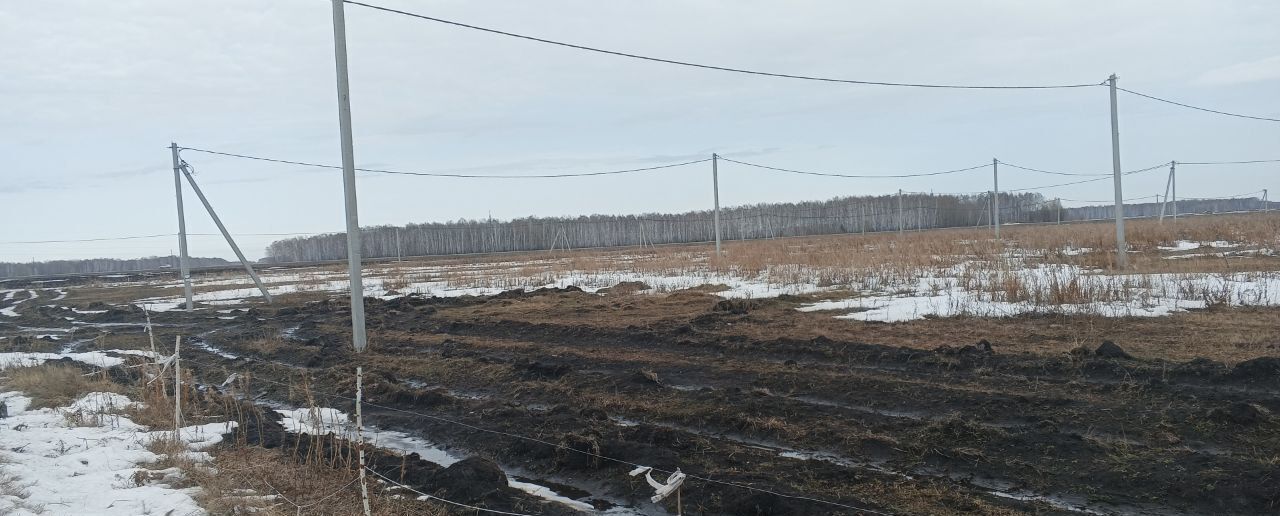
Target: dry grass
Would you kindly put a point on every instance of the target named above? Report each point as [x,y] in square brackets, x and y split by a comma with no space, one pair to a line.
[56,385]
[1044,265]
[14,490]
[247,479]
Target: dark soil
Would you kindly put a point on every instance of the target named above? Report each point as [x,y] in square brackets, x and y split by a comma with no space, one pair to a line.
[745,394]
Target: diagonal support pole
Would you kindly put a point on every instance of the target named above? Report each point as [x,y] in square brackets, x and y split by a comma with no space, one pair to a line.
[225,234]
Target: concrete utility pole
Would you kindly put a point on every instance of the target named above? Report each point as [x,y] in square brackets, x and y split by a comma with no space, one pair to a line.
[1266,203]
[1167,184]
[226,234]
[715,187]
[1122,248]
[1173,180]
[397,244]
[995,199]
[183,267]
[900,217]
[1058,202]
[358,338]
[177,390]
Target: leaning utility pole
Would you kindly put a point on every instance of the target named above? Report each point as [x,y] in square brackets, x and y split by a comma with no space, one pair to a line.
[995,199]
[225,234]
[715,187]
[1122,248]
[358,338]
[183,267]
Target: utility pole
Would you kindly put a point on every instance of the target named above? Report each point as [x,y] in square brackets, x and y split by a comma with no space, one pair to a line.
[1173,180]
[1167,184]
[358,338]
[1266,204]
[177,390]
[995,199]
[715,186]
[226,234]
[349,176]
[1058,203]
[1122,248]
[862,217]
[397,244]
[183,267]
[900,221]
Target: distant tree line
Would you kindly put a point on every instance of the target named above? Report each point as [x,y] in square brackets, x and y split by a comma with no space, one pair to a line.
[910,211]
[99,265]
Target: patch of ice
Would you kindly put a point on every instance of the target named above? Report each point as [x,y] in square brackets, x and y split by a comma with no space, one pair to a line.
[547,493]
[322,421]
[1181,245]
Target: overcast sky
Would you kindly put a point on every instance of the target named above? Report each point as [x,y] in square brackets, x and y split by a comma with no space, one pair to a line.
[95,91]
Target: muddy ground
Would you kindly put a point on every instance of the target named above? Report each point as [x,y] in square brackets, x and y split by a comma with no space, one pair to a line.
[1007,417]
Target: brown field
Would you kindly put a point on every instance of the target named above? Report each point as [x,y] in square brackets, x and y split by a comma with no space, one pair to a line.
[770,409]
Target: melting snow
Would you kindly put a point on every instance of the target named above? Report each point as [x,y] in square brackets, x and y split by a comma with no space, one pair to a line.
[68,469]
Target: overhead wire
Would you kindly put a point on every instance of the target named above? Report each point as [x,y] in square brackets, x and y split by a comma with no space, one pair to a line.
[1198,108]
[1247,162]
[1094,180]
[854,176]
[445,174]
[1006,163]
[715,67]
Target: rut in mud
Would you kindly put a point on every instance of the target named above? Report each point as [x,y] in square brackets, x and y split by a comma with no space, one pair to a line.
[727,391]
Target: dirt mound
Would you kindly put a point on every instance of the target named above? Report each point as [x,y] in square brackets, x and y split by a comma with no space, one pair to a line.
[737,306]
[260,427]
[541,371]
[470,480]
[626,287]
[982,348]
[1263,368]
[519,292]
[1109,349]
[1239,413]
[762,504]
[646,377]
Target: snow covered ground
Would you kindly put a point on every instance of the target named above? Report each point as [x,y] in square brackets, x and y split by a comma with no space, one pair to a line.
[975,288]
[376,286]
[82,458]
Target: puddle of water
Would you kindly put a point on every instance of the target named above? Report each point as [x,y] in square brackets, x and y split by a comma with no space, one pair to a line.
[321,421]
[202,344]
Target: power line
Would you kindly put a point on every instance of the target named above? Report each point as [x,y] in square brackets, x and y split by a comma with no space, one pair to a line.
[1223,198]
[103,239]
[1229,162]
[444,174]
[719,68]
[854,176]
[1094,180]
[1049,171]
[1189,106]
[141,237]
